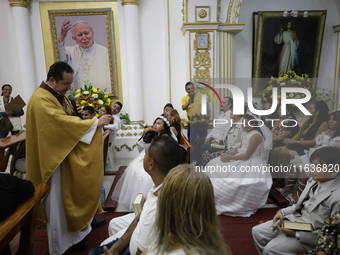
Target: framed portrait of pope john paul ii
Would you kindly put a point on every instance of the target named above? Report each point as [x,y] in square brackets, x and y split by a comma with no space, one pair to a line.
[85,39]
[282,44]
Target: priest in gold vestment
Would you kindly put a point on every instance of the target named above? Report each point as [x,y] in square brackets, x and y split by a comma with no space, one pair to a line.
[65,152]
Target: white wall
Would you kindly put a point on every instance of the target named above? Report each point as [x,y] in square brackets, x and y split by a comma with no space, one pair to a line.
[154,47]
[9,60]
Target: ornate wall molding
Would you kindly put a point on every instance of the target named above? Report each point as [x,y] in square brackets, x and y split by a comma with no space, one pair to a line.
[182,11]
[236,9]
[202,60]
[218,10]
[19,3]
[202,65]
[126,146]
[231,3]
[131,2]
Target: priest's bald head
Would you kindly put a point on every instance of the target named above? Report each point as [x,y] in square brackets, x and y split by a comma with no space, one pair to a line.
[60,77]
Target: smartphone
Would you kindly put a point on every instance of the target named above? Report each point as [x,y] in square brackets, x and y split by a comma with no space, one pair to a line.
[141,125]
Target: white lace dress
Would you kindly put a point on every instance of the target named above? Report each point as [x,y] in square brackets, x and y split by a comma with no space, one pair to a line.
[134,181]
[322,140]
[242,193]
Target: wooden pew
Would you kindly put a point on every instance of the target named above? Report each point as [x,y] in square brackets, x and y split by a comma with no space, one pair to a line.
[23,219]
[14,144]
[106,136]
[186,144]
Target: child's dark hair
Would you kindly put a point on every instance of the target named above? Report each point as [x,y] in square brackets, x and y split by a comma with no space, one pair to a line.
[88,108]
[166,129]
[327,155]
[168,105]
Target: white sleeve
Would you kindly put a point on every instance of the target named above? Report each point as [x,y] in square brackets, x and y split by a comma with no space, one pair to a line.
[87,138]
[115,126]
[62,51]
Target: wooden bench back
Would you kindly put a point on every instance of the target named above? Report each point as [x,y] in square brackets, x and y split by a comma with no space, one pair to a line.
[186,144]
[106,139]
[23,219]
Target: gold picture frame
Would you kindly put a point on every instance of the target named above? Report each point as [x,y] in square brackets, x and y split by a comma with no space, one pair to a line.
[104,18]
[268,52]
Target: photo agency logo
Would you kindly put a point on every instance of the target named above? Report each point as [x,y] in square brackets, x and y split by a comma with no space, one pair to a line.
[238,103]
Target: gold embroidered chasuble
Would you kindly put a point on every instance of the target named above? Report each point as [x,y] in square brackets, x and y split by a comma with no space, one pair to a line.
[53,139]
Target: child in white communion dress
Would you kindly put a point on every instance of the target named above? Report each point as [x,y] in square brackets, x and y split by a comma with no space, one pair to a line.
[244,189]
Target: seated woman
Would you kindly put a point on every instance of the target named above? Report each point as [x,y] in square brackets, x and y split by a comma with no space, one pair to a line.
[175,123]
[329,138]
[284,128]
[245,188]
[186,222]
[304,139]
[230,139]
[135,180]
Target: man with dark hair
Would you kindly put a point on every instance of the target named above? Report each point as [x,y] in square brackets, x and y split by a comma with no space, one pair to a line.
[88,113]
[116,108]
[65,152]
[161,156]
[167,109]
[115,126]
[192,104]
[319,200]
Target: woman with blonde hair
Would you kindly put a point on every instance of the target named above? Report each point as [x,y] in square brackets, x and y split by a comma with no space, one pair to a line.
[186,221]
[175,123]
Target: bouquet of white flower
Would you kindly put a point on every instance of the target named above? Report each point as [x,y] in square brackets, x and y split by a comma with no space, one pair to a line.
[324,94]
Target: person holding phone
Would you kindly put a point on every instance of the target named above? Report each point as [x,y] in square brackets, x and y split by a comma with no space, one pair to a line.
[192,104]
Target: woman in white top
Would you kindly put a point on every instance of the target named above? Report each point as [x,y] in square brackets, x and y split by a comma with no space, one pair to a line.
[241,186]
[14,117]
[186,221]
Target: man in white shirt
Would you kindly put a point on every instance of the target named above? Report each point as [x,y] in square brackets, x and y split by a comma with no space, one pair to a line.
[227,102]
[161,156]
[90,61]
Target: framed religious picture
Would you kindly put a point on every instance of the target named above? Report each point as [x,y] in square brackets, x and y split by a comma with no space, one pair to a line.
[86,39]
[286,41]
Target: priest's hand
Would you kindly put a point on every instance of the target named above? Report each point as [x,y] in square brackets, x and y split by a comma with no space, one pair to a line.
[79,109]
[65,27]
[104,120]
